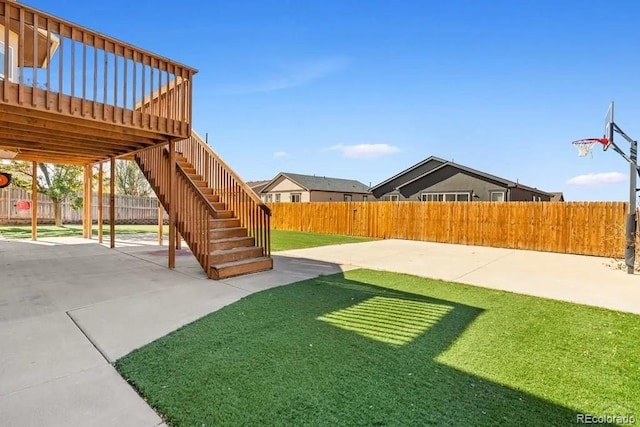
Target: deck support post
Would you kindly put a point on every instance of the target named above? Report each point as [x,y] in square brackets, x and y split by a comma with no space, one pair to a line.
[160,223]
[84,201]
[100,201]
[173,200]
[90,201]
[34,201]
[112,203]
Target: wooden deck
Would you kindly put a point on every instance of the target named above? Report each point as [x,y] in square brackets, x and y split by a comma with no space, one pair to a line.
[75,96]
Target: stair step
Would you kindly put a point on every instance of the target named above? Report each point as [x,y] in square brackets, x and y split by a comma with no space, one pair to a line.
[188,170]
[232,242]
[224,223]
[222,256]
[213,197]
[221,233]
[236,268]
[194,176]
[219,206]
[224,214]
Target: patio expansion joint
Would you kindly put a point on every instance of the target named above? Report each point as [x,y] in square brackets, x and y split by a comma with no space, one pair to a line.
[484,265]
[88,337]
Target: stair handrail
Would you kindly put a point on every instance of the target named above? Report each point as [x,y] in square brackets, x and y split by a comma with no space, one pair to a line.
[231,172]
[212,209]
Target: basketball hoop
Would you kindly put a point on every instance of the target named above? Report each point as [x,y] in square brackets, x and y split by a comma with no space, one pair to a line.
[585,146]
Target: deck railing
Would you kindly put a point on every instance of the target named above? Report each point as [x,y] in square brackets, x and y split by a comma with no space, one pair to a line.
[49,64]
[232,190]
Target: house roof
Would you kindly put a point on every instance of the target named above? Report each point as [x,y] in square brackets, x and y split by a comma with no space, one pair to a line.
[446,163]
[322,183]
[557,196]
[417,165]
[257,186]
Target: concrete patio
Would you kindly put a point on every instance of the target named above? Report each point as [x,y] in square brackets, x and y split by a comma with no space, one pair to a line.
[70,307]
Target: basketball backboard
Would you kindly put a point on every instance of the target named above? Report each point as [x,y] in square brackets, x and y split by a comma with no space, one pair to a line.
[608,127]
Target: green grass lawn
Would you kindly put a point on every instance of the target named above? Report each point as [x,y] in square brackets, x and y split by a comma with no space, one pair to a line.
[280,240]
[376,349]
[24,232]
[285,240]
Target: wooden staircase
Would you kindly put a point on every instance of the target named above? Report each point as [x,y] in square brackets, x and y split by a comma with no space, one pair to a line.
[224,223]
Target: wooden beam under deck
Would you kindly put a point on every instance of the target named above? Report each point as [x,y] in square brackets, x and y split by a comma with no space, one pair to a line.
[47,136]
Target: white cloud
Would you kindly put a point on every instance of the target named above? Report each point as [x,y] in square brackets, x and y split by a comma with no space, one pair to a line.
[280,154]
[597,178]
[294,75]
[365,151]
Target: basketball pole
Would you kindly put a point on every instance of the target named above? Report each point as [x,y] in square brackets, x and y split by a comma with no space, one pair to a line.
[630,252]
[631,224]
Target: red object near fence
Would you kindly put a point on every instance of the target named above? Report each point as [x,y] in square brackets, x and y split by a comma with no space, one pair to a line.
[23,205]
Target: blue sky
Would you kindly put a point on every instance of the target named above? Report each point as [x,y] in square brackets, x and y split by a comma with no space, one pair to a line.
[364,89]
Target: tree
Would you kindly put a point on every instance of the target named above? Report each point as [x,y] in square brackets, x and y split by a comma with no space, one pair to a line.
[129,179]
[60,182]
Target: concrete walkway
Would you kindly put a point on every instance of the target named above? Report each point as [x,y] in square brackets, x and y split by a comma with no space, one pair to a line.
[574,278]
[70,307]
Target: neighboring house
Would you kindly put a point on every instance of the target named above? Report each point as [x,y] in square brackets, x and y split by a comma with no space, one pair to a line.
[436,179]
[292,187]
[257,186]
[557,196]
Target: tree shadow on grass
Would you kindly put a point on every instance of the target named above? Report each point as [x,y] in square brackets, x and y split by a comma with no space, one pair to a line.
[327,351]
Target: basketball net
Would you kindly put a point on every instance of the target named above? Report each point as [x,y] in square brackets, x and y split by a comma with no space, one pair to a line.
[585,146]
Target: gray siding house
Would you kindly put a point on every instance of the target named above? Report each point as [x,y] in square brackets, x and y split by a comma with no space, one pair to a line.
[296,188]
[436,179]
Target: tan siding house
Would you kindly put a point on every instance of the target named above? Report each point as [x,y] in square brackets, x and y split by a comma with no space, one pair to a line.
[296,188]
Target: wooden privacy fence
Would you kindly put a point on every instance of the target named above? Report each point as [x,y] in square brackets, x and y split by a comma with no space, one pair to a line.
[129,209]
[593,228]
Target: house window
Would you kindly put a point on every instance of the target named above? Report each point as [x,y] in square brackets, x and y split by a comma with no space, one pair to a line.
[2,59]
[348,197]
[365,198]
[277,197]
[497,196]
[444,197]
[267,198]
[537,198]
[295,197]
[394,197]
